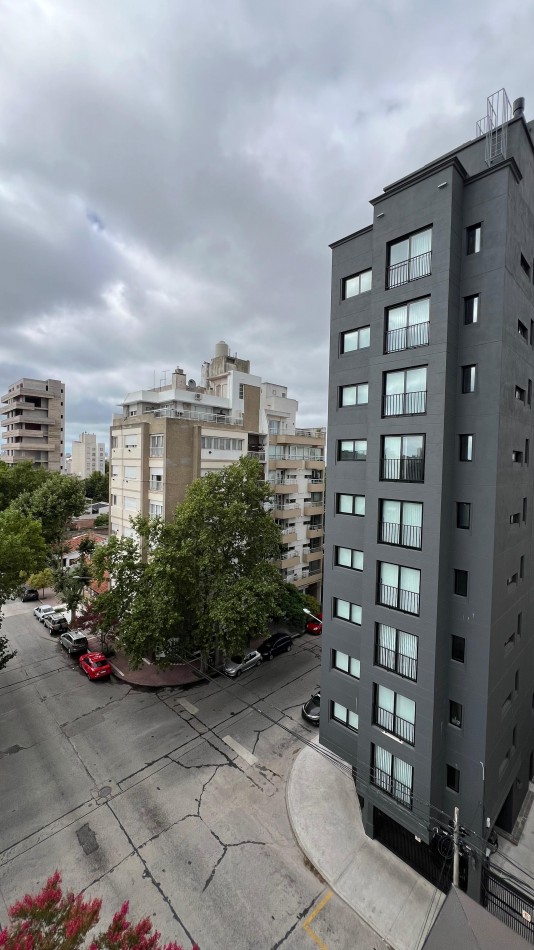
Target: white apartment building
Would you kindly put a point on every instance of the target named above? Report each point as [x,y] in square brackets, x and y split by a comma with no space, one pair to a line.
[88,456]
[33,429]
[170,435]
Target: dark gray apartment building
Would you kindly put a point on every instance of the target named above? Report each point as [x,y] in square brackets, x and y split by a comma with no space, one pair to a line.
[428,644]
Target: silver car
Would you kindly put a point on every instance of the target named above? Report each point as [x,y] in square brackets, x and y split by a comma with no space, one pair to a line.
[236,665]
[41,611]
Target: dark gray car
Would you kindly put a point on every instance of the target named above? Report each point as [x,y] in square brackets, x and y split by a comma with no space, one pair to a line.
[312,709]
[235,665]
[74,642]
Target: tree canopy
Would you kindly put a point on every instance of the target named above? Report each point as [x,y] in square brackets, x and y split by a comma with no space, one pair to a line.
[97,486]
[22,550]
[54,503]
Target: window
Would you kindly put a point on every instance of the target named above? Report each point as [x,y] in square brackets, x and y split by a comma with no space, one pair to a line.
[519,625]
[522,566]
[156,480]
[130,503]
[241,390]
[403,458]
[394,713]
[346,716]
[392,775]
[460,583]
[506,705]
[527,451]
[349,557]
[350,505]
[463,514]
[453,778]
[529,392]
[130,441]
[222,444]
[355,340]
[401,523]
[517,457]
[396,650]
[115,471]
[407,326]
[525,266]
[344,610]
[525,503]
[357,284]
[474,235]
[405,392]
[156,445]
[131,472]
[399,587]
[468,378]
[520,394]
[510,640]
[352,450]
[515,518]
[455,713]
[522,330]
[155,510]
[410,258]
[113,499]
[516,682]
[471,309]
[457,648]
[346,663]
[114,441]
[357,395]
[466,448]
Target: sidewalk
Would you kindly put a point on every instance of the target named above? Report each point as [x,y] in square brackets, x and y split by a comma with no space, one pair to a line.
[323,809]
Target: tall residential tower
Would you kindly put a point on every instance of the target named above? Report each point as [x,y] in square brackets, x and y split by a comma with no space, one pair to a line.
[33,429]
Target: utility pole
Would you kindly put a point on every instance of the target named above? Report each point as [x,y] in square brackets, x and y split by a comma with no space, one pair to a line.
[456,856]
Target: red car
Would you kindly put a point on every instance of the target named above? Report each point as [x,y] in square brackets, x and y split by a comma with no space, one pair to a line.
[314,625]
[95,665]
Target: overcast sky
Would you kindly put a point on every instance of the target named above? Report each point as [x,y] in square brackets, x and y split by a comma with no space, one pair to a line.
[171,173]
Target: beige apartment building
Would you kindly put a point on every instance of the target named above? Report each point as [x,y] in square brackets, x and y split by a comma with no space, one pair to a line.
[33,427]
[169,435]
[88,456]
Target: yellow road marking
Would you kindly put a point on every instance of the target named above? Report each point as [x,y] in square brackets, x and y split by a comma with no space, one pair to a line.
[311,918]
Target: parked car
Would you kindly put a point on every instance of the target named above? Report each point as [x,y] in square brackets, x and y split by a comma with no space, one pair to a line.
[41,611]
[29,593]
[95,666]
[314,625]
[235,665]
[311,709]
[278,643]
[74,642]
[55,623]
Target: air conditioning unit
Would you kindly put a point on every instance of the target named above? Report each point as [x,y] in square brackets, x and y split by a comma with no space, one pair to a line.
[198,395]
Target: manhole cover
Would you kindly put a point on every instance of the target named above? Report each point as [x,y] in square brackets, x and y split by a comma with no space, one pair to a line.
[105,791]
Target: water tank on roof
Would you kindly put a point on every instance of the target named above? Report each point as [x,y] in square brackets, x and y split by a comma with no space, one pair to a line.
[222,349]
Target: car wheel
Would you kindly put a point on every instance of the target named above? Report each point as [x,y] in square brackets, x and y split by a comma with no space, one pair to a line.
[258,663]
[69,651]
[289,647]
[269,656]
[238,673]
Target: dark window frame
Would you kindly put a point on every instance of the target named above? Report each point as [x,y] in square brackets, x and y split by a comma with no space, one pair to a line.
[467,505]
[469,378]
[353,457]
[471,310]
[353,513]
[357,330]
[344,281]
[456,720]
[463,456]
[461,582]
[471,234]
[457,646]
[453,778]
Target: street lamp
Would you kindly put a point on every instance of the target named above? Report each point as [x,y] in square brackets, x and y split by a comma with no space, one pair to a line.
[306,611]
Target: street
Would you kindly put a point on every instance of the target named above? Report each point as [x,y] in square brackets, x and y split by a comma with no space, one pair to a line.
[172,800]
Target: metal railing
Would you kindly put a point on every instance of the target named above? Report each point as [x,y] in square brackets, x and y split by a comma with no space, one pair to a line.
[314,570]
[197,415]
[405,666]
[394,724]
[391,786]
[287,506]
[259,455]
[315,481]
[403,535]
[412,269]
[288,531]
[404,404]
[406,338]
[398,598]
[156,451]
[154,485]
[402,470]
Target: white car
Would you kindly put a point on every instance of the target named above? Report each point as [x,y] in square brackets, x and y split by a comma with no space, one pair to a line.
[41,611]
[235,665]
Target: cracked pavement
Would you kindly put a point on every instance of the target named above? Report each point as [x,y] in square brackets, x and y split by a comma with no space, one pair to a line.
[133,796]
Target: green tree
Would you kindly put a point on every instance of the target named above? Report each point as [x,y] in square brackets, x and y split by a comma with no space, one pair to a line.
[121,560]
[54,503]
[290,605]
[101,521]
[97,486]
[22,550]
[17,479]
[41,579]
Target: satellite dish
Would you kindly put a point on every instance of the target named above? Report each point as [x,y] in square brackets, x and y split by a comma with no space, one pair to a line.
[191,383]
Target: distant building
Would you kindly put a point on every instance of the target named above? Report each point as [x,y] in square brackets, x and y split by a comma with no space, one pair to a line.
[170,435]
[88,456]
[33,429]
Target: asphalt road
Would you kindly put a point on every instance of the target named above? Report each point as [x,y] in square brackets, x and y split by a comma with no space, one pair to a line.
[173,800]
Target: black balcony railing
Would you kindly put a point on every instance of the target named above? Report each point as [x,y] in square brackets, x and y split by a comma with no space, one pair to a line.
[402,470]
[405,271]
[404,404]
[392,723]
[405,666]
[403,535]
[398,598]
[406,338]
[391,786]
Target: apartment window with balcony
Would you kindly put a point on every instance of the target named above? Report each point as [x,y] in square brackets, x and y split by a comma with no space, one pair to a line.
[156,445]
[352,340]
[345,716]
[405,392]
[155,510]
[392,775]
[357,395]
[401,523]
[345,663]
[356,284]
[471,309]
[407,326]
[409,259]
[344,610]
[348,557]
[463,515]
[396,650]
[403,458]
[156,481]
[352,450]
[350,505]
[468,378]
[474,239]
[466,448]
[399,587]
[394,713]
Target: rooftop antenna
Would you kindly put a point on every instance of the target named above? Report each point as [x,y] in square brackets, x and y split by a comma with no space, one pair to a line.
[494,125]
[163,379]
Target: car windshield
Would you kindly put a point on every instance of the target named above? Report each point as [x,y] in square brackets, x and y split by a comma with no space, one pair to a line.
[99,663]
[236,659]
[81,642]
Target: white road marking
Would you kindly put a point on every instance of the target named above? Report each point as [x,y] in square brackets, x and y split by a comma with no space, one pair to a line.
[188,706]
[237,747]
[148,663]
[116,670]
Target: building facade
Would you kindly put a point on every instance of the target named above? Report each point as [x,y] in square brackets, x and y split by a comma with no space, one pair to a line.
[88,456]
[170,435]
[428,635]
[33,427]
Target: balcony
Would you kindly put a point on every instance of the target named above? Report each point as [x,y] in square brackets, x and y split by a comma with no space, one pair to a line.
[314,531]
[259,455]
[316,481]
[406,338]
[402,470]
[406,271]
[286,463]
[285,487]
[405,600]
[156,451]
[313,508]
[313,557]
[315,463]
[289,535]
[291,510]
[405,666]
[392,723]
[404,404]
[154,485]
[403,535]
[288,560]
[391,786]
